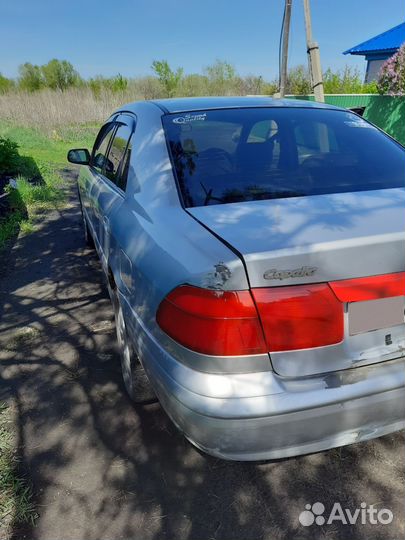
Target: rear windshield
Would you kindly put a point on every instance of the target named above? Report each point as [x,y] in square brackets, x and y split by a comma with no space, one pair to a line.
[237,155]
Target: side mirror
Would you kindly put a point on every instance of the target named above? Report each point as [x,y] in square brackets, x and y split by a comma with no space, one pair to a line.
[79,156]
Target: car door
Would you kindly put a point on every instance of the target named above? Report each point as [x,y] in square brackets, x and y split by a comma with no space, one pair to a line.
[111,184]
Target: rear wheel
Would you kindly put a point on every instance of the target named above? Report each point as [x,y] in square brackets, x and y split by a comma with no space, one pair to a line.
[135,379]
[88,239]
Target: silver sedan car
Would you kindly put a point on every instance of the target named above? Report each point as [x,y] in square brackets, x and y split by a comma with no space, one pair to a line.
[254,251]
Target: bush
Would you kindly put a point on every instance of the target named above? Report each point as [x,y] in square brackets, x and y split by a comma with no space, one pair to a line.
[113,84]
[345,81]
[391,80]
[168,78]
[6,84]
[9,158]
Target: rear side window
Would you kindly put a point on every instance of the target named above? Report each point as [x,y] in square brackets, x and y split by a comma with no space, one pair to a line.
[232,155]
[119,156]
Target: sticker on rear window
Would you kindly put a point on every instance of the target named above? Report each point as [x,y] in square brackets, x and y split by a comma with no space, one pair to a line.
[189,118]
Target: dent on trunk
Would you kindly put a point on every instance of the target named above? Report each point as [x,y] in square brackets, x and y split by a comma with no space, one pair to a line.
[219,277]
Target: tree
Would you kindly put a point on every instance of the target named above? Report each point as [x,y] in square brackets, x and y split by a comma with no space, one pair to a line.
[59,74]
[220,71]
[6,84]
[391,80]
[298,81]
[346,81]
[167,77]
[222,78]
[30,78]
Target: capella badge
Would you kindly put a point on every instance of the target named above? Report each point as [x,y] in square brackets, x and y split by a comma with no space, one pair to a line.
[304,271]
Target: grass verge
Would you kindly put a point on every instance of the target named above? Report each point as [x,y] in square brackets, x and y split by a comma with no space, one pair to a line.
[51,146]
[42,155]
[29,201]
[16,506]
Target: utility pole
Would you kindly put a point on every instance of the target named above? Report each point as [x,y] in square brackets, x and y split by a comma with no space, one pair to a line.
[314,58]
[284,57]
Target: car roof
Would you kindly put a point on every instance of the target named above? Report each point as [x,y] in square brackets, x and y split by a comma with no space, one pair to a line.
[177,105]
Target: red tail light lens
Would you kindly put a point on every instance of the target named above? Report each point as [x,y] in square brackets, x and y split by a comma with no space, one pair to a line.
[370,288]
[228,323]
[300,316]
[220,323]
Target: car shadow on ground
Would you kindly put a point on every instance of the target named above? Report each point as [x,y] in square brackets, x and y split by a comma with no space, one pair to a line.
[103,469]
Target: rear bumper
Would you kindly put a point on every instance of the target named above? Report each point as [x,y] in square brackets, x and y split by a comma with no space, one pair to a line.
[284,435]
[257,416]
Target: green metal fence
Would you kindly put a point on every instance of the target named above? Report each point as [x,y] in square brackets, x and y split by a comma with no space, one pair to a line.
[386,112]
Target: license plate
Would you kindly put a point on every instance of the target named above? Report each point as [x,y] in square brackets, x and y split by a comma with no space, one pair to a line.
[376,314]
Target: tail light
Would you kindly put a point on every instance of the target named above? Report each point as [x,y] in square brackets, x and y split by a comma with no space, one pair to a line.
[220,323]
[370,288]
[271,319]
[299,316]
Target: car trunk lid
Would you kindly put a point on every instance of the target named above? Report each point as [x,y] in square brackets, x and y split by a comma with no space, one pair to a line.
[323,239]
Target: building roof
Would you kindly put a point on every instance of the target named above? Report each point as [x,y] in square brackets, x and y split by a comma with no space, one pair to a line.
[176,105]
[389,41]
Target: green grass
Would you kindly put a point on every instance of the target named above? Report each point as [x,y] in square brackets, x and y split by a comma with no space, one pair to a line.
[51,148]
[41,156]
[16,506]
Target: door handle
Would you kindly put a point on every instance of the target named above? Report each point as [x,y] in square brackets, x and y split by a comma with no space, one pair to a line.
[106,223]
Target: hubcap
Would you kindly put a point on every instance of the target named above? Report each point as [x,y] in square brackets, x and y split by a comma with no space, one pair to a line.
[86,234]
[125,351]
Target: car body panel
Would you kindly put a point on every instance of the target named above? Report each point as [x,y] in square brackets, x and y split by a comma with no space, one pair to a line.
[342,235]
[338,236]
[239,407]
[160,257]
[255,416]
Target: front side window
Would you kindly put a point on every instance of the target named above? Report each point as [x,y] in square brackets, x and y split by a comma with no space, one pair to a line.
[99,160]
[232,155]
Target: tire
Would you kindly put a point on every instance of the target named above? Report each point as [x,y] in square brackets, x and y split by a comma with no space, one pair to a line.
[135,378]
[88,239]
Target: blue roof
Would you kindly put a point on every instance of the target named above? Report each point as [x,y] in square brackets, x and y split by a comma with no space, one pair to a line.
[389,41]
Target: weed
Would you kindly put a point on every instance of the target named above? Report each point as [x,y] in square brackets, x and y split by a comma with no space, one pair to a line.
[16,506]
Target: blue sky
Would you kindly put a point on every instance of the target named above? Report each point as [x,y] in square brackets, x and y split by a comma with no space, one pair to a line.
[107,37]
